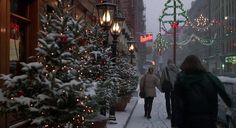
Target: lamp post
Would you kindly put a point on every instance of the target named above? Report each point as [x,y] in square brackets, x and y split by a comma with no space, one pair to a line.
[110,18]
[131,50]
[116,30]
[106,12]
[116,27]
[177,5]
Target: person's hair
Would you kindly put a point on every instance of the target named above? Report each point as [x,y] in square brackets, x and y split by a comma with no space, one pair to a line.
[150,70]
[192,65]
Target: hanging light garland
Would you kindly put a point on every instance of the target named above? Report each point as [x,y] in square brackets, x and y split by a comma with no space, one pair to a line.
[201,23]
[160,44]
[182,13]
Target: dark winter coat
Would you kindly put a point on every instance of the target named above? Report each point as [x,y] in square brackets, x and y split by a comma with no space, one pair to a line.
[172,71]
[195,103]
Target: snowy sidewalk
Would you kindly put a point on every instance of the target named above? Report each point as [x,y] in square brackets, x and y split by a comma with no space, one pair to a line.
[158,114]
[122,118]
[133,116]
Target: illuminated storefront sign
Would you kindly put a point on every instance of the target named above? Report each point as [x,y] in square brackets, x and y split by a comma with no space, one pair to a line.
[234,44]
[146,38]
[230,59]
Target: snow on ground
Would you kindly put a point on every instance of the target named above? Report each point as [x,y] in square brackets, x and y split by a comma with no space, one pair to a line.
[158,114]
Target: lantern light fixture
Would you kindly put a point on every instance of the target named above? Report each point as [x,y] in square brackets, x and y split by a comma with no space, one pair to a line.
[106,12]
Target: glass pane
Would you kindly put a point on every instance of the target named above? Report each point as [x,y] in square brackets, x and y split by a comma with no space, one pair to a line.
[17,50]
[19,7]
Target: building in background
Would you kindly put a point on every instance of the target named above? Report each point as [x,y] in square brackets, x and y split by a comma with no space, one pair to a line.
[134,11]
[216,44]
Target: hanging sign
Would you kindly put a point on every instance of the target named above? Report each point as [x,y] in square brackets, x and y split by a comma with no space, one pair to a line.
[230,59]
[146,38]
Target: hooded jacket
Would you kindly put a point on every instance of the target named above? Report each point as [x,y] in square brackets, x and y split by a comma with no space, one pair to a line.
[195,100]
[172,71]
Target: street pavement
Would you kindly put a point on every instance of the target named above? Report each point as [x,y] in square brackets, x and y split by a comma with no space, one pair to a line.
[158,120]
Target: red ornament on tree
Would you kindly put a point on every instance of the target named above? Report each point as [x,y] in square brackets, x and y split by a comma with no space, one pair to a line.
[103,62]
[20,93]
[63,39]
[82,42]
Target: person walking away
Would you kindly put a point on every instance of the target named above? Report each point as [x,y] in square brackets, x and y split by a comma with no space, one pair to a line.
[169,73]
[195,101]
[147,84]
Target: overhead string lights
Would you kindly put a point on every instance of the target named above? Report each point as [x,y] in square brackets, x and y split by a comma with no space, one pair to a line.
[203,41]
[201,23]
[162,44]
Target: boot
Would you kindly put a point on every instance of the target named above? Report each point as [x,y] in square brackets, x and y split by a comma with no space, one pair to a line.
[149,108]
[145,111]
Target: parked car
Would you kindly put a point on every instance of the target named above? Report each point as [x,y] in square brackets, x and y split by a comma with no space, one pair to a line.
[226,115]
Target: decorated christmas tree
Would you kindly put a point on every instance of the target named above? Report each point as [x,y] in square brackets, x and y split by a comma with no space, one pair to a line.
[49,92]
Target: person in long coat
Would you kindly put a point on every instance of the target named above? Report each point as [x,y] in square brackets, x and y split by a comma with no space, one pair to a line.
[169,73]
[195,101]
[147,84]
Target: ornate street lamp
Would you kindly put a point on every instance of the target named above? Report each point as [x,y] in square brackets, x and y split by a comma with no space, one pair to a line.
[131,43]
[106,12]
[116,28]
[110,18]
[118,23]
[131,50]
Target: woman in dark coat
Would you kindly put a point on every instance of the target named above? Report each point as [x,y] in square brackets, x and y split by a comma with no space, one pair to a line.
[195,103]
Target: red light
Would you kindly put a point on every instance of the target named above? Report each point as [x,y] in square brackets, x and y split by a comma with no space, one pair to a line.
[234,44]
[174,25]
[146,38]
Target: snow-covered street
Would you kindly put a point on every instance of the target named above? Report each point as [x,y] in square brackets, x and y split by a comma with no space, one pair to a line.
[158,114]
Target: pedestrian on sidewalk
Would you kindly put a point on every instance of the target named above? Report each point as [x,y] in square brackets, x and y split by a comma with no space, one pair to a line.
[168,77]
[147,84]
[195,101]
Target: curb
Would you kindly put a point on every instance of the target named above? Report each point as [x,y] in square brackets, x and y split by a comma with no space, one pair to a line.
[131,113]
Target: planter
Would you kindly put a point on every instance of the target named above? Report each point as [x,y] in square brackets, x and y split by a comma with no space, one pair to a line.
[122,103]
[99,122]
[128,97]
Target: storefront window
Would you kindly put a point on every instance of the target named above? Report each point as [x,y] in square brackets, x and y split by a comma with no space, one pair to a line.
[18,33]
[19,7]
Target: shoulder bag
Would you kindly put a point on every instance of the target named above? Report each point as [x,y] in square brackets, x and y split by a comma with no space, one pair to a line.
[142,94]
[166,86]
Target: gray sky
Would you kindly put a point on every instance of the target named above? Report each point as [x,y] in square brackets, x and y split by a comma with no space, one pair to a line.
[154,11]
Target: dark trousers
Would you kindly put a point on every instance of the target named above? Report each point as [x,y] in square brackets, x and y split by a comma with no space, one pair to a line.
[148,105]
[169,100]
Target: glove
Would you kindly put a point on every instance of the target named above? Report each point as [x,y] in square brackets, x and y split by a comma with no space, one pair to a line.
[229,111]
